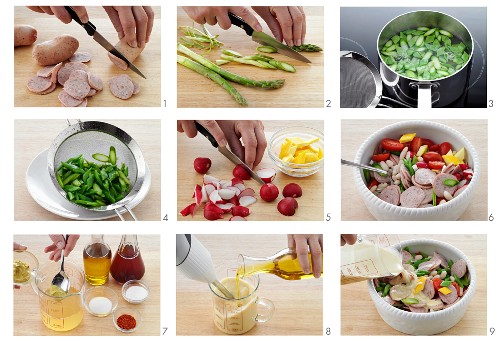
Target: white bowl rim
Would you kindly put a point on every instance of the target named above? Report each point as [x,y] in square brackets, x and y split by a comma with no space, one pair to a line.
[366,193]
[464,301]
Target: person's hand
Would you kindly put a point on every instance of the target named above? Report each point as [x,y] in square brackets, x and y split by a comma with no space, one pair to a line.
[61,13]
[245,138]
[219,15]
[135,23]
[58,245]
[285,22]
[305,243]
[19,247]
[348,238]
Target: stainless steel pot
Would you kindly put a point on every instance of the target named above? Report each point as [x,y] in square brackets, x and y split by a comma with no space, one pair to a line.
[436,93]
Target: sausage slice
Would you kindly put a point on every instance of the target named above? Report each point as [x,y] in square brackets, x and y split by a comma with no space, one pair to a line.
[391,194]
[412,197]
[439,187]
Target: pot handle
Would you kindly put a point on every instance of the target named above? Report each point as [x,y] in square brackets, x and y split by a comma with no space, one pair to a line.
[424,95]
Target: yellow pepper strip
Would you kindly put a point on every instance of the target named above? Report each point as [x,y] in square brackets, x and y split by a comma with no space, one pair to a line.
[444,290]
[407,138]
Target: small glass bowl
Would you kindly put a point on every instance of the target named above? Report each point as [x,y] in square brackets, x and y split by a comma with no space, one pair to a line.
[134,283]
[28,258]
[128,311]
[289,168]
[100,291]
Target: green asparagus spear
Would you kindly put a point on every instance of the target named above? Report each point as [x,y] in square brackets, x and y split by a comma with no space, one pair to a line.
[307,48]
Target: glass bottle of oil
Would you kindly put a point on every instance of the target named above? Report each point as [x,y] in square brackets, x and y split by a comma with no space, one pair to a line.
[127,262]
[97,260]
[284,264]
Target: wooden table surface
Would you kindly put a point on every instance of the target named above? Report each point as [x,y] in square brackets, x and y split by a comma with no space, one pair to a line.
[298,304]
[27,320]
[355,297]
[302,89]
[353,135]
[34,136]
[48,27]
[310,204]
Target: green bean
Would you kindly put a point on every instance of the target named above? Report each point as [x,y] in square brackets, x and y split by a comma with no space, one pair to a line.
[410,300]
[450,263]
[386,290]
[70,178]
[421,273]
[112,155]
[72,167]
[100,157]
[459,282]
[445,283]
[418,262]
[267,49]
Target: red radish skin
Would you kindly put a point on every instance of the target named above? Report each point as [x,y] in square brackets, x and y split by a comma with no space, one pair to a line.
[235,181]
[240,211]
[269,192]
[247,192]
[225,207]
[198,194]
[292,190]
[189,210]
[241,173]
[266,174]
[288,206]
[235,201]
[237,218]
[212,212]
[202,165]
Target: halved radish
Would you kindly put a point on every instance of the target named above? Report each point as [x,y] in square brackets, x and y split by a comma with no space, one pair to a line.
[237,218]
[292,190]
[266,174]
[247,200]
[189,210]
[212,212]
[225,183]
[237,181]
[240,186]
[204,195]
[215,198]
[241,173]
[288,206]
[241,211]
[245,192]
[198,195]
[209,188]
[226,194]
[235,201]
[225,207]
[234,189]
[208,179]
[269,192]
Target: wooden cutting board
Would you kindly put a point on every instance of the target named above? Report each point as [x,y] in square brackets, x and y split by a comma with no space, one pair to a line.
[48,27]
[27,319]
[356,301]
[302,89]
[298,304]
[310,204]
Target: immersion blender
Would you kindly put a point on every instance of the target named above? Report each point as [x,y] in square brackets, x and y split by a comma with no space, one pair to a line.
[195,262]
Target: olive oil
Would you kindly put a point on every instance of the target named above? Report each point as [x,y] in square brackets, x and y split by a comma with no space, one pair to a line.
[62,314]
[97,261]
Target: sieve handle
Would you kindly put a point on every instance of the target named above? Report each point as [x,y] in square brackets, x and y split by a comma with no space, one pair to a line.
[69,122]
[128,210]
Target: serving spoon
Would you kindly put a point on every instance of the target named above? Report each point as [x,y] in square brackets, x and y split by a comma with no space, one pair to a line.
[61,280]
[359,165]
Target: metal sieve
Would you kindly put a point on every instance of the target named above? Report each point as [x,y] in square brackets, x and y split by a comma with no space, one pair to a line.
[360,83]
[91,137]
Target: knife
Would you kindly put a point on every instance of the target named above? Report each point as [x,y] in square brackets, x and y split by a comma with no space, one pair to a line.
[92,31]
[227,153]
[265,39]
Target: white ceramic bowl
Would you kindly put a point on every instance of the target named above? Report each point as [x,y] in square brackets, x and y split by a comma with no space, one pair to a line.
[437,132]
[433,322]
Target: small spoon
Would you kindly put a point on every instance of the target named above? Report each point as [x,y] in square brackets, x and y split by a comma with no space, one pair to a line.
[354,164]
[61,280]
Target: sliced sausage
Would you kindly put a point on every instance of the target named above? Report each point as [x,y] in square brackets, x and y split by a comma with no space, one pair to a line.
[394,158]
[121,86]
[95,82]
[81,56]
[67,100]
[442,260]
[459,191]
[428,289]
[131,53]
[459,268]
[49,90]
[39,84]
[405,176]
[56,50]
[391,194]
[430,265]
[382,178]
[83,104]
[428,196]
[92,92]
[439,187]
[451,297]
[424,176]
[418,310]
[67,69]
[77,88]
[24,35]
[406,256]
[435,305]
[137,87]
[412,197]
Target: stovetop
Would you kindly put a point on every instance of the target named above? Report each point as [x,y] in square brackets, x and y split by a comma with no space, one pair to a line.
[360,27]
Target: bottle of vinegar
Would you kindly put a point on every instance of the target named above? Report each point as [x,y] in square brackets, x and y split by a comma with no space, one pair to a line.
[127,263]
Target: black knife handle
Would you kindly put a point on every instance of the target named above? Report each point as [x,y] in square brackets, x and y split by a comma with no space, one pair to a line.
[88,26]
[207,134]
[237,21]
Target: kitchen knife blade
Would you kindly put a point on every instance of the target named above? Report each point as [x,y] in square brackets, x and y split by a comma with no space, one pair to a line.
[265,39]
[92,31]
[227,153]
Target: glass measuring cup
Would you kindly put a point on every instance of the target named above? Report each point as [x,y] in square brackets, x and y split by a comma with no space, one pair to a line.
[372,256]
[60,313]
[239,315]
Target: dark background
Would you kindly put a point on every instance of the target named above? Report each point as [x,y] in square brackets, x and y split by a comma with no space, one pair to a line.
[360,27]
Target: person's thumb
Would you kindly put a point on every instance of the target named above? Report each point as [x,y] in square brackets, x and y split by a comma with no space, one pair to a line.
[58,240]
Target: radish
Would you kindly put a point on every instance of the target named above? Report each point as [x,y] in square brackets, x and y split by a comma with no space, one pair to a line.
[189,210]
[225,183]
[240,211]
[234,189]
[208,179]
[204,195]
[292,190]
[202,164]
[212,212]
[198,194]
[235,181]
[240,186]
[225,207]
[235,201]
[266,174]
[226,194]
[237,218]
[247,200]
[241,173]
[215,198]
[209,188]
[288,206]
[269,192]
[247,191]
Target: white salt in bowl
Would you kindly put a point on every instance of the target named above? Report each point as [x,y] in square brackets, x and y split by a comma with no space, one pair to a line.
[99,293]
[433,322]
[437,132]
[135,291]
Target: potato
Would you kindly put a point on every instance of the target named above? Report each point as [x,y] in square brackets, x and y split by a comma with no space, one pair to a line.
[24,35]
[56,50]
[131,53]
